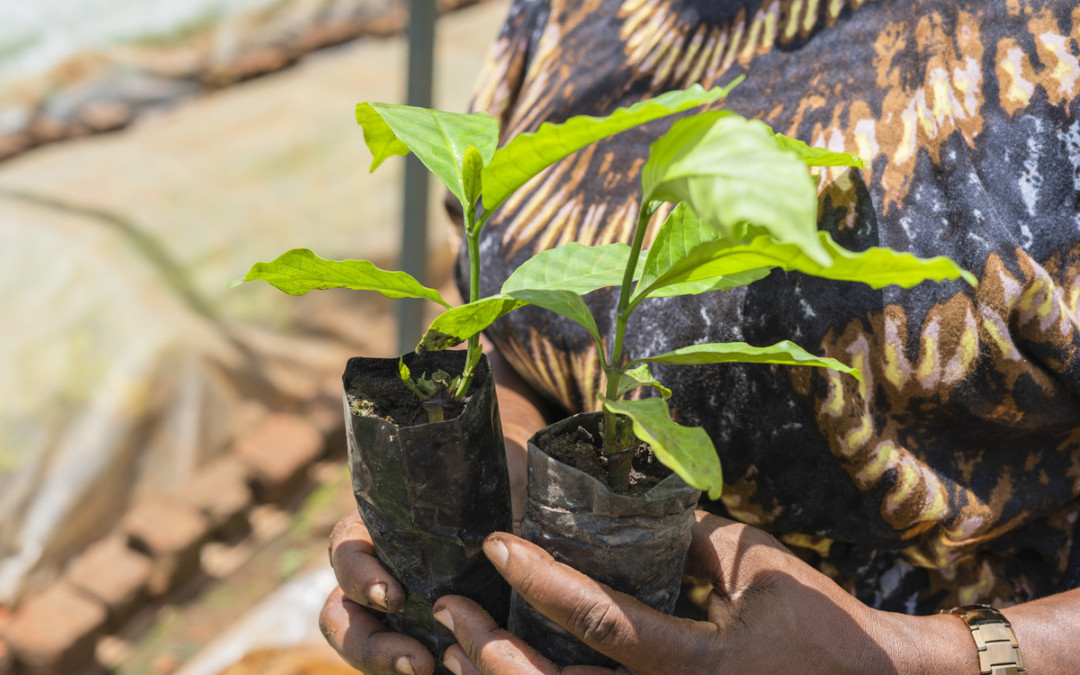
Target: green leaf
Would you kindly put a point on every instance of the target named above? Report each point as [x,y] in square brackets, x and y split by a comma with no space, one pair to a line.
[633,378]
[458,324]
[571,267]
[378,135]
[298,271]
[721,283]
[877,267]
[817,156]
[528,154]
[439,139]
[471,166]
[688,451]
[785,353]
[681,233]
[731,171]
[564,303]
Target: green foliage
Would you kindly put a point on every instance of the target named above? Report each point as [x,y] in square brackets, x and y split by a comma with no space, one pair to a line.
[817,156]
[785,353]
[564,303]
[690,256]
[528,154]
[426,388]
[745,205]
[571,267]
[472,167]
[688,451]
[441,140]
[461,150]
[682,233]
[730,170]
[458,324]
[298,271]
[634,377]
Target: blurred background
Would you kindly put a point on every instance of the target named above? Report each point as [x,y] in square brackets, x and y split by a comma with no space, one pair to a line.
[172,449]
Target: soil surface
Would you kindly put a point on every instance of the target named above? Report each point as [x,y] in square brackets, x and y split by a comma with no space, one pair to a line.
[410,411]
[582,450]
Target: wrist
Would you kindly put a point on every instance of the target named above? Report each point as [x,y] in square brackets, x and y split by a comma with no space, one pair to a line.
[939,643]
[1044,630]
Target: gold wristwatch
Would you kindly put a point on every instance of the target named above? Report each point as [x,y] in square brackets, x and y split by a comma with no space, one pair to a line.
[999,654]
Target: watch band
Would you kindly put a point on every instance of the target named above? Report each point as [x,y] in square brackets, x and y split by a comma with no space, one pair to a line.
[999,654]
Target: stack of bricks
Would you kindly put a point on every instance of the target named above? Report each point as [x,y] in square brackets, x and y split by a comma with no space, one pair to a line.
[156,549]
[117,89]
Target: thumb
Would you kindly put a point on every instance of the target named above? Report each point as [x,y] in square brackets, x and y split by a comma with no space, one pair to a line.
[613,623]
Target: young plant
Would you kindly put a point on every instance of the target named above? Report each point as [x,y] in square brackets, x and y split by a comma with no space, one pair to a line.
[745,204]
[461,150]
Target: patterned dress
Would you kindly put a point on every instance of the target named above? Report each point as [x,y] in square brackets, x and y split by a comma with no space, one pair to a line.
[951,474]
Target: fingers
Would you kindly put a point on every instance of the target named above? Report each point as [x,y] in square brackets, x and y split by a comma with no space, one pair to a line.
[483,643]
[723,551]
[741,561]
[610,622]
[361,577]
[457,661]
[485,649]
[364,644]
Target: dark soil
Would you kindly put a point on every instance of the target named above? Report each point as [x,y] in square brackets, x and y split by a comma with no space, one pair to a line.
[407,410]
[582,450]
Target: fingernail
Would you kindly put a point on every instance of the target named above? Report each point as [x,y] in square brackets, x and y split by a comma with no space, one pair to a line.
[404,666]
[443,617]
[377,595]
[452,664]
[496,551]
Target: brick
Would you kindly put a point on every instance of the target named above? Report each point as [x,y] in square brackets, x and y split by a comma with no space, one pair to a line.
[327,413]
[13,144]
[171,532]
[278,451]
[220,491]
[55,632]
[388,23]
[105,115]
[324,35]
[165,664]
[46,129]
[115,575]
[259,61]
[7,662]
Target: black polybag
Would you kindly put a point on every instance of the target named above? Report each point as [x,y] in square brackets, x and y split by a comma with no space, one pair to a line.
[636,545]
[431,492]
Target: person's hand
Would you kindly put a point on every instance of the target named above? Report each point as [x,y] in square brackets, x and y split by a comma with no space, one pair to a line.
[768,613]
[352,629]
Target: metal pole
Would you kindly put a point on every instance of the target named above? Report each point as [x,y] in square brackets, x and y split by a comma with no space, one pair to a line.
[414,252]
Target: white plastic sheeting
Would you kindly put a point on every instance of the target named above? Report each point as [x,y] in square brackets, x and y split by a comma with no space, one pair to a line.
[118,380]
[125,361]
[286,618]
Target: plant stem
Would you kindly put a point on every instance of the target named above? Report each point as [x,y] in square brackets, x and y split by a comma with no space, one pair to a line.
[435,412]
[472,238]
[613,367]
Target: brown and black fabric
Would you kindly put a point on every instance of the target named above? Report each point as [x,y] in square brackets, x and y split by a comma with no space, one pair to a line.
[950,475]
